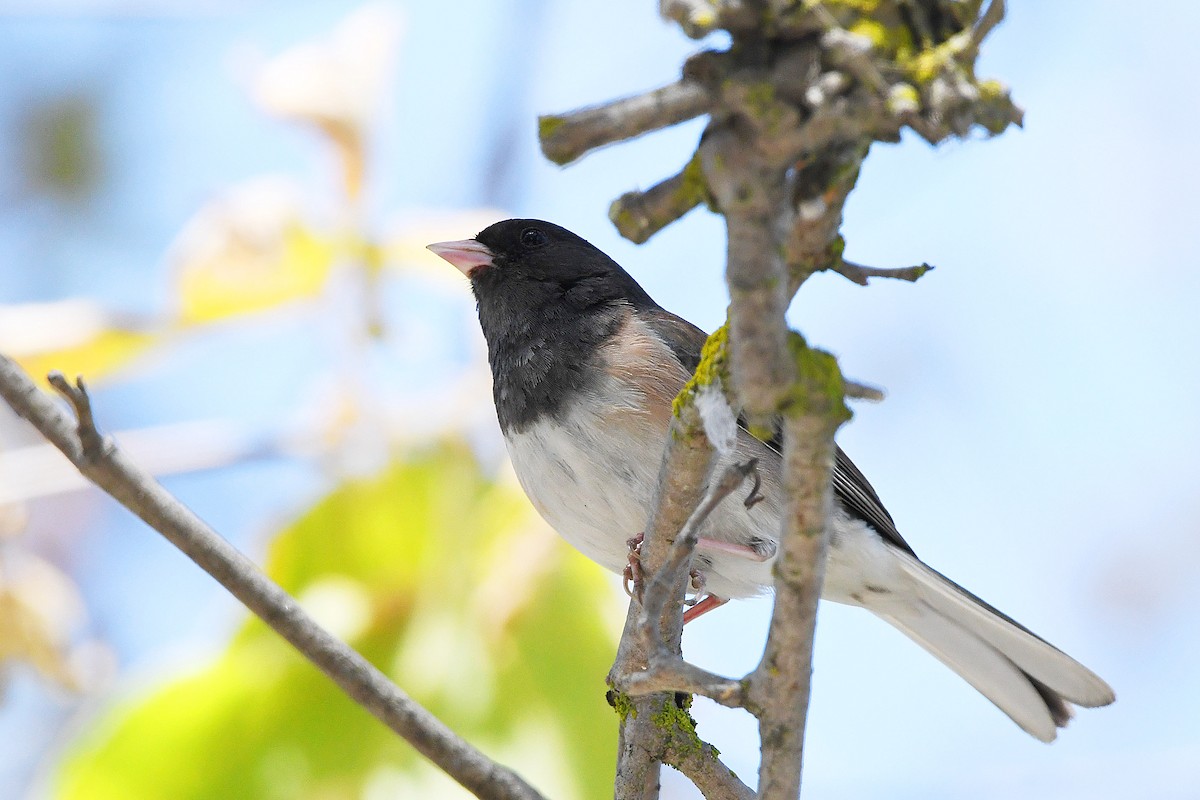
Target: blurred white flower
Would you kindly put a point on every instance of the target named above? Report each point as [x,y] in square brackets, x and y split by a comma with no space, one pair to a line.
[40,610]
[337,82]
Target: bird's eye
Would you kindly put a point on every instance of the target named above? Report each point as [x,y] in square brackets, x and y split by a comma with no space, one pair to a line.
[533,237]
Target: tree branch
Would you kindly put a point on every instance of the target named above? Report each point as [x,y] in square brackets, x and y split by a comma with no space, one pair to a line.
[110,469]
[640,215]
[859,273]
[668,672]
[566,137]
[642,743]
[786,666]
[862,391]
[714,780]
[749,189]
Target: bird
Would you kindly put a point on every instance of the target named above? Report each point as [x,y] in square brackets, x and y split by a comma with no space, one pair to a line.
[585,366]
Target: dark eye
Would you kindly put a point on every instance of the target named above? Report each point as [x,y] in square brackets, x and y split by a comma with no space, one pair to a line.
[533,237]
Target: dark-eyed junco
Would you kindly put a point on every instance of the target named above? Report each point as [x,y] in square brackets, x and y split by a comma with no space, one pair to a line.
[584,368]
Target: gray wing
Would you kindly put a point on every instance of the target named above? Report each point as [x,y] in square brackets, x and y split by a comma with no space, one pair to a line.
[850,486]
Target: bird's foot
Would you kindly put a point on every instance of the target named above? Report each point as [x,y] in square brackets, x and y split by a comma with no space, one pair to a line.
[708,603]
[755,549]
[633,570]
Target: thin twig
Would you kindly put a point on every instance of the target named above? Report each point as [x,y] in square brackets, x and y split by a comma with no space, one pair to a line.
[859,273]
[703,767]
[566,137]
[668,672]
[863,391]
[640,215]
[992,17]
[658,591]
[111,470]
[93,446]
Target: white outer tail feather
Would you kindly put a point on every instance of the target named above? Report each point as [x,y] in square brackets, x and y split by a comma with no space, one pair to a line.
[991,653]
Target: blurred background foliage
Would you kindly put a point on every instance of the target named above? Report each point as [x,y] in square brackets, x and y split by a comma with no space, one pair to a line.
[426,561]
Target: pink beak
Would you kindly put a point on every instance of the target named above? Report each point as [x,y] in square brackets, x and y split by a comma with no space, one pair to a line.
[467,255]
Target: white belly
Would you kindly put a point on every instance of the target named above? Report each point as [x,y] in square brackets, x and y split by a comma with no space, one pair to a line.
[591,478]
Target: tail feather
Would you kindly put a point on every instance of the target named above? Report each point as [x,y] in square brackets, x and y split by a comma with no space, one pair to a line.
[1052,667]
[1027,678]
[980,664]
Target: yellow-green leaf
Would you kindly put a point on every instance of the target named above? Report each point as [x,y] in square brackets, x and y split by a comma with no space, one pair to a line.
[245,275]
[95,358]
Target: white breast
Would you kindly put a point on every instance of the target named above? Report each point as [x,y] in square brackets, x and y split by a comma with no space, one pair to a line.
[589,477]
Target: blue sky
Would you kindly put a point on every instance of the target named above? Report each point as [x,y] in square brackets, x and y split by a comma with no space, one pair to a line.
[1038,444]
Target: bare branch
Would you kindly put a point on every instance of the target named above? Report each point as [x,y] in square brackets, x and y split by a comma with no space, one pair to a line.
[687,462]
[110,469]
[862,391]
[703,766]
[566,137]
[992,17]
[786,666]
[859,273]
[748,190]
[93,446]
[670,673]
[640,215]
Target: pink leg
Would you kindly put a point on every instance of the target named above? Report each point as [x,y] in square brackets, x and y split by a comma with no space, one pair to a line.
[745,551]
[703,607]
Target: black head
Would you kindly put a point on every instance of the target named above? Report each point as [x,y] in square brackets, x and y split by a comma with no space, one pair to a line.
[547,258]
[547,300]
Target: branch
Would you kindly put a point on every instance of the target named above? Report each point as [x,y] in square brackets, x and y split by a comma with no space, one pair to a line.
[992,17]
[640,215]
[859,273]
[714,780]
[110,469]
[748,190]
[786,666]
[862,391]
[668,672]
[641,743]
[566,137]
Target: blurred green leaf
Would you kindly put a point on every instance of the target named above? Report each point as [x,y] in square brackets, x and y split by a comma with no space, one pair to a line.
[442,578]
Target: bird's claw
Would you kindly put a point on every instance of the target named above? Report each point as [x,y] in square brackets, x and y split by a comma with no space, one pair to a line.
[632,574]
